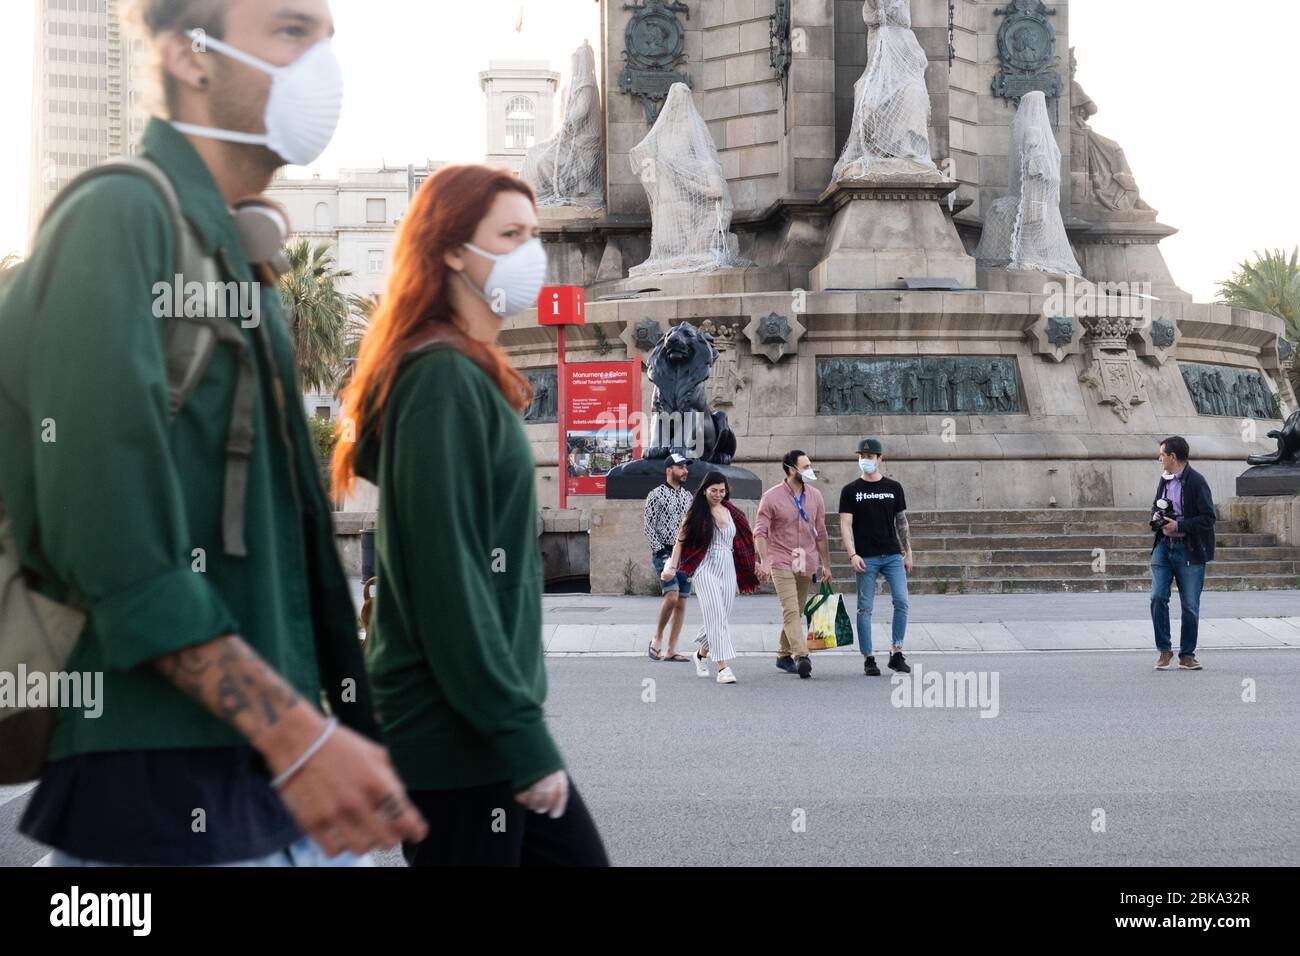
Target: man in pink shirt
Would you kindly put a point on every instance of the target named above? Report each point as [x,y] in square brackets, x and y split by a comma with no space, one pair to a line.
[790,536]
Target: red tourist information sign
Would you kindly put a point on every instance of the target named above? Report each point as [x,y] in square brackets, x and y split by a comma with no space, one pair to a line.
[561,305]
[599,402]
[602,404]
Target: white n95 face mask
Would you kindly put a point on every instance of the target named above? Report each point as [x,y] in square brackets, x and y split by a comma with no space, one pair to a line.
[515,281]
[302,110]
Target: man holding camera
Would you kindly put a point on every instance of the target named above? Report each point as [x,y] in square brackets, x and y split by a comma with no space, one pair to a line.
[1183,522]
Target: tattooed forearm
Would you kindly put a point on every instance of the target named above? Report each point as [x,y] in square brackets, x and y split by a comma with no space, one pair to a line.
[186,668]
[230,680]
[904,533]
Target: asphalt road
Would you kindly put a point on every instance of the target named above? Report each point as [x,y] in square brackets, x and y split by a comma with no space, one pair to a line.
[1186,772]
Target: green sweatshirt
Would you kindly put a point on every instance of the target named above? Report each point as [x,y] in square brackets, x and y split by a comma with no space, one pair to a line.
[455,651]
[112,499]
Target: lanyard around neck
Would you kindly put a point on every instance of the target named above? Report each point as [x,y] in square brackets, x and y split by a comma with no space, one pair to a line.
[798,502]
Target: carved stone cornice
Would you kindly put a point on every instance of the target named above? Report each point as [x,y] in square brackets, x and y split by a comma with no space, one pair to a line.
[926,187]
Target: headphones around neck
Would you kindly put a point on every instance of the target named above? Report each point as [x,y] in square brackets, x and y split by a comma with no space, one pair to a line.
[263,227]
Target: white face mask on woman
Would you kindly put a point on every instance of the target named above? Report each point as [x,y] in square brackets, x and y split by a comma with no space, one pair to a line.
[515,280]
[302,109]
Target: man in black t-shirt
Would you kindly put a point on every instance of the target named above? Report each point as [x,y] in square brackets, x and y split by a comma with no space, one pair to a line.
[873,524]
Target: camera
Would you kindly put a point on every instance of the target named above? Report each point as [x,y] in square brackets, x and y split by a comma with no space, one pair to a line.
[1164,511]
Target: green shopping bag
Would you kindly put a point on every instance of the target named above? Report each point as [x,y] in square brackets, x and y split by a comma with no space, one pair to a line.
[828,621]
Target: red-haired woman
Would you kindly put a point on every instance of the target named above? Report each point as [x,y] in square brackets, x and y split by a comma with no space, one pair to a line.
[454,651]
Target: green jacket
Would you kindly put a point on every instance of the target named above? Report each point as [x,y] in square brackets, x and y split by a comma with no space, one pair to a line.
[455,651]
[112,500]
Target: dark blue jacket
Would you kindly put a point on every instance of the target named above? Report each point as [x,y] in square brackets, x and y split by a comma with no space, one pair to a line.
[1198,517]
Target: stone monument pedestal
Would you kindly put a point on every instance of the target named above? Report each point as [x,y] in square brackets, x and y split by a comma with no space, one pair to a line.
[1269,480]
[620,556]
[753,279]
[1124,247]
[574,244]
[1030,281]
[636,479]
[888,229]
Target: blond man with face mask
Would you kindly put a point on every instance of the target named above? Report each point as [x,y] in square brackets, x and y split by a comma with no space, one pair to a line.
[202,554]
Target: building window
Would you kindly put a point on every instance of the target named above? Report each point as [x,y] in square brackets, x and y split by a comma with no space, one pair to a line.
[376,260]
[521,123]
[376,210]
[322,215]
[323,412]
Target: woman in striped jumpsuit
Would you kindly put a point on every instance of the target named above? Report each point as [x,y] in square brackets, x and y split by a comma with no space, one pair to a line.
[716,547]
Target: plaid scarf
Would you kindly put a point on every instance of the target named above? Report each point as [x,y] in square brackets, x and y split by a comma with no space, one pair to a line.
[742,551]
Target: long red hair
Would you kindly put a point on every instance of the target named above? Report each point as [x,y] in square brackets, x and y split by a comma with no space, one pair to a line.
[444,215]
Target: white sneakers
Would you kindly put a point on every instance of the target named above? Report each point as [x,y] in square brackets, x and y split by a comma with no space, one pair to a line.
[725,675]
[701,665]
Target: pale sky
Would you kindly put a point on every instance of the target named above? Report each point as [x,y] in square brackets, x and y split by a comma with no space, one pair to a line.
[1195,91]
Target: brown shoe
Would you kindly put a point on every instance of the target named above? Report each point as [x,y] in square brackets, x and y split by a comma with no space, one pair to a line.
[1189,663]
[1165,658]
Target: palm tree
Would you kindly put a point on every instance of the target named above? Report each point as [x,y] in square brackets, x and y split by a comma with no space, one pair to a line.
[1271,283]
[363,310]
[319,312]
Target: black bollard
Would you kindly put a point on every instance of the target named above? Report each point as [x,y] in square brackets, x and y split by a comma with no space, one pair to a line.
[367,553]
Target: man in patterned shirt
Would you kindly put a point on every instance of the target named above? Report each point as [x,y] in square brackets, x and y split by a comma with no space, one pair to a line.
[664,509]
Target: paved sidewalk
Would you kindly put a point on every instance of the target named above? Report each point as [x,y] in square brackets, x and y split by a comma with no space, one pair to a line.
[622,625]
[604,624]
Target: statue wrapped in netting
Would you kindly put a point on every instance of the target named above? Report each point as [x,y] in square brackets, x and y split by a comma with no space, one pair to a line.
[891,105]
[567,169]
[690,202]
[1024,229]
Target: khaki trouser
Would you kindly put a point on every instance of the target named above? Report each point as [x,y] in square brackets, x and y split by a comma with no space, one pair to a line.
[792,591]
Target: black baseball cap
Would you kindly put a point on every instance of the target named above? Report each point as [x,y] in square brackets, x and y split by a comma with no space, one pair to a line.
[870,446]
[675,459]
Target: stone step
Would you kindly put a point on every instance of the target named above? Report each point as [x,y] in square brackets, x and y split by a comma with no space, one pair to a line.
[1113,570]
[1051,550]
[1047,532]
[1096,583]
[990,542]
[1077,555]
[1025,529]
[977,515]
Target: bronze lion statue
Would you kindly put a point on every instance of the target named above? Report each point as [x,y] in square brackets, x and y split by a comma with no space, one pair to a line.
[678,367]
[1288,444]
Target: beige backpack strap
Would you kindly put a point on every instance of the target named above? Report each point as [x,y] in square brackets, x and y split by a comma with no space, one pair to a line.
[189,341]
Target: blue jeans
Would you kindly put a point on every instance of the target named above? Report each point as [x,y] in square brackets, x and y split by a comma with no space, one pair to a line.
[306,852]
[891,566]
[1169,563]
